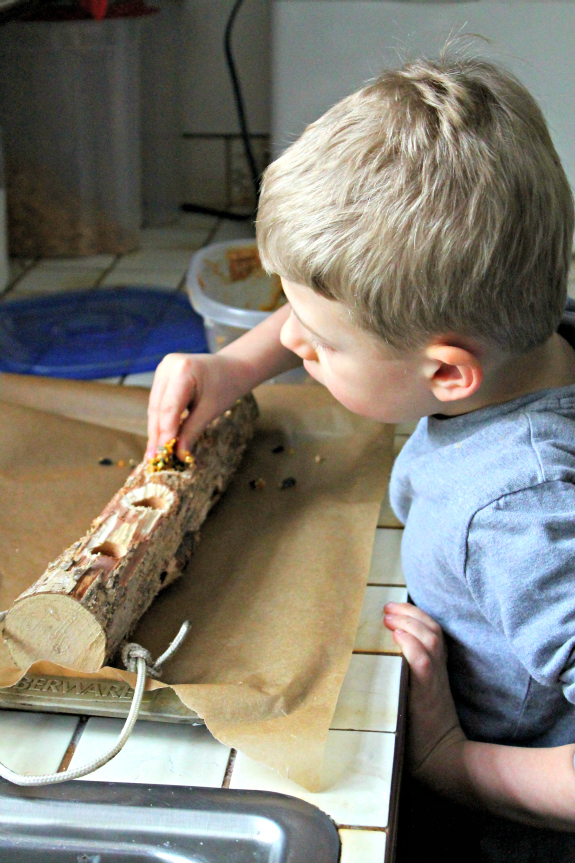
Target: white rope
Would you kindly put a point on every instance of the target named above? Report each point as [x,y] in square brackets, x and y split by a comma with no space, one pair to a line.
[135,660]
[132,651]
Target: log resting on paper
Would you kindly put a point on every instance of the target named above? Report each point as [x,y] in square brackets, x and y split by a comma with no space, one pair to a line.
[90,599]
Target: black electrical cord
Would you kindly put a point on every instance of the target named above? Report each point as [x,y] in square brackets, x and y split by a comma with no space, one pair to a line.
[238,98]
[240,110]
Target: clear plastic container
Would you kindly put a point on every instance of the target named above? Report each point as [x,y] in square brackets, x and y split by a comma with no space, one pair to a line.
[70,111]
[229,303]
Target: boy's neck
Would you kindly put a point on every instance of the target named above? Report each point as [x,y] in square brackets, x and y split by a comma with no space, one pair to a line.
[550,365]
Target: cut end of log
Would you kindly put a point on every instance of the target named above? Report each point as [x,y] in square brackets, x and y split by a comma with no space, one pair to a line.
[57,628]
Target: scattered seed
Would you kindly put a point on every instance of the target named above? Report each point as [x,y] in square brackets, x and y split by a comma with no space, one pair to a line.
[105,461]
[318,458]
[121,463]
[291,451]
[184,414]
[288,482]
[166,459]
[132,462]
[258,483]
[279,448]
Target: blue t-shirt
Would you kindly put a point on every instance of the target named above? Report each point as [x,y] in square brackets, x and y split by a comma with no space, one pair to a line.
[488,503]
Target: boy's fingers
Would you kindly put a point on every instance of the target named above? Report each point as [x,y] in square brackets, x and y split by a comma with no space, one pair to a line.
[418,658]
[176,397]
[430,639]
[192,427]
[409,610]
[156,395]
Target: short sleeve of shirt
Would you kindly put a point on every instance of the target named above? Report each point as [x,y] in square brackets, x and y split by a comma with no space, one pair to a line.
[520,569]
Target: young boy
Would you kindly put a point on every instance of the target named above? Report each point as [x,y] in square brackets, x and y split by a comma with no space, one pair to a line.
[423,230]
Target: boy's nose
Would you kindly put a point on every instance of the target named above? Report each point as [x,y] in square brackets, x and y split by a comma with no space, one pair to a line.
[293,337]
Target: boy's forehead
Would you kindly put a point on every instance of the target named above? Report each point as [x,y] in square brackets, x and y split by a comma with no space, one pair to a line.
[328,320]
[315,312]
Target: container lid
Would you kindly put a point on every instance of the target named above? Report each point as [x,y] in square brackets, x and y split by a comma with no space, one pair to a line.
[97,334]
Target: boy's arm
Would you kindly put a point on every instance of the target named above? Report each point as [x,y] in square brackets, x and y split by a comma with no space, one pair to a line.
[207,384]
[535,786]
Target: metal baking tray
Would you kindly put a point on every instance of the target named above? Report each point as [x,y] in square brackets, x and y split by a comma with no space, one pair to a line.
[105,822]
[93,698]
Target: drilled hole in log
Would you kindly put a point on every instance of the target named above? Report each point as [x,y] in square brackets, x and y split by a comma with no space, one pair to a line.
[163,576]
[110,549]
[152,503]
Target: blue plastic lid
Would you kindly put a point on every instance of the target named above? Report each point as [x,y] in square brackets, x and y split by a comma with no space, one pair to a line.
[97,334]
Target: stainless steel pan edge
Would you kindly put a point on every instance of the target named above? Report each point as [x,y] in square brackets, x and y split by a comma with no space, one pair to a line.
[103,822]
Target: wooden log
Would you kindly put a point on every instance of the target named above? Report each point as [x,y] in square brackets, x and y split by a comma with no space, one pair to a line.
[90,599]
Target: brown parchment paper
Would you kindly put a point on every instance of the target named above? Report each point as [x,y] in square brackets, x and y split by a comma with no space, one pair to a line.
[275,588]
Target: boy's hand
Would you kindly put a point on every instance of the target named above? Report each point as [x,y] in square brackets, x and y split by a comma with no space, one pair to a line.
[433,722]
[189,391]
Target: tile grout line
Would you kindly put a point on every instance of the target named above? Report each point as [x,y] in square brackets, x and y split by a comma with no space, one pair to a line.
[229,768]
[211,233]
[106,272]
[10,287]
[366,730]
[73,744]
[375,653]
[384,584]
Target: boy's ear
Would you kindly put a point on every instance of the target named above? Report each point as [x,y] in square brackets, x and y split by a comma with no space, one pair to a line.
[453,373]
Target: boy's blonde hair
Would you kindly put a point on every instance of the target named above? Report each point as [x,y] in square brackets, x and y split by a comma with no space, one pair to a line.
[430,202]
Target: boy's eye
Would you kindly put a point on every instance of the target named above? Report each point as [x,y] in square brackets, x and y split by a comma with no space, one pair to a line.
[317,346]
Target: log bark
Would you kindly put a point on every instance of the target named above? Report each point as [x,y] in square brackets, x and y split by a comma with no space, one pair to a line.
[90,599]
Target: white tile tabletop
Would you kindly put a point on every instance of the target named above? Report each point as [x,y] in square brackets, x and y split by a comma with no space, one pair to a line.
[385,566]
[356,777]
[372,636]
[369,697]
[34,743]
[387,517]
[362,846]
[156,752]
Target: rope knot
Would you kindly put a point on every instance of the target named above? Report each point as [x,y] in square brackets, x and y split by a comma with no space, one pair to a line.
[131,652]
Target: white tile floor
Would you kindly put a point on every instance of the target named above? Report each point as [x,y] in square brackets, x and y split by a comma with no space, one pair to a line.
[359,756]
